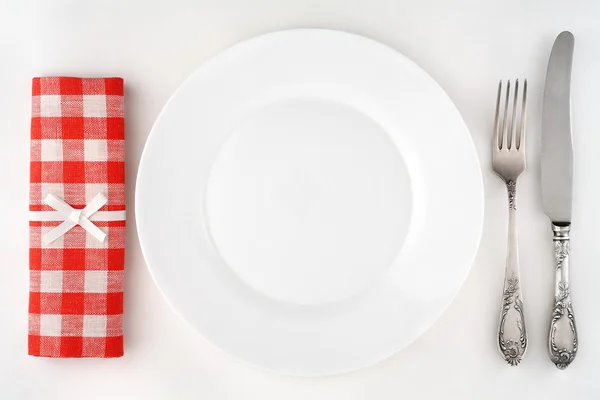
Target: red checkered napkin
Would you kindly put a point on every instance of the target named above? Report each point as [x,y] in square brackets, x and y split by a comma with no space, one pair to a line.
[76,280]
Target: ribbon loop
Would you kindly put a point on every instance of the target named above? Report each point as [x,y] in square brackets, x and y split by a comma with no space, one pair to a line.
[75,216]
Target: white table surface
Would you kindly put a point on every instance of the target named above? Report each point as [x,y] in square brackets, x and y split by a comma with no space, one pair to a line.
[466,45]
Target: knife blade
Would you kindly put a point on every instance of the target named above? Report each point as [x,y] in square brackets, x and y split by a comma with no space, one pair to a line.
[557,149]
[557,194]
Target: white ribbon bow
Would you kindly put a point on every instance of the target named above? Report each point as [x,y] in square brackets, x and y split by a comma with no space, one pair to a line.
[72,217]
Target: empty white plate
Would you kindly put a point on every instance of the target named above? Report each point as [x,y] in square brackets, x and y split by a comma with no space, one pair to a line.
[310,201]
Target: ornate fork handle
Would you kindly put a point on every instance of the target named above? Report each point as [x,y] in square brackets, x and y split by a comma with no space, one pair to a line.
[512,334]
[562,339]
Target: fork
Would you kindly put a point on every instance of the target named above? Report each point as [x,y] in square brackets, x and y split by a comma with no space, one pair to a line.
[508,161]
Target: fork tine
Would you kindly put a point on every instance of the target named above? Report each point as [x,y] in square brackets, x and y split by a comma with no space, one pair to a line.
[522,130]
[503,145]
[513,125]
[496,139]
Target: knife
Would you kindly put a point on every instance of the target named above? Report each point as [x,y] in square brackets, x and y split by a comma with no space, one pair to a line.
[557,193]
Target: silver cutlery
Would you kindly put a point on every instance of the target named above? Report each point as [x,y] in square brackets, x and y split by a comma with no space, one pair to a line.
[508,161]
[557,185]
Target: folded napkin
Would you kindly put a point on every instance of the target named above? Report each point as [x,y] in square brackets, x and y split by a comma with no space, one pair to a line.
[77,217]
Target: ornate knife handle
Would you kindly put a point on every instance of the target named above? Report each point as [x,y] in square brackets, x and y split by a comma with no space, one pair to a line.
[562,339]
[512,335]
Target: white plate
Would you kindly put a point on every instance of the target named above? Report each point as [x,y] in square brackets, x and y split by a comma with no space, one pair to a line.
[310,201]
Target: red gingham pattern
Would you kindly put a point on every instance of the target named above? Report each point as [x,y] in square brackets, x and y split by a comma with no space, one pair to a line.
[76,282]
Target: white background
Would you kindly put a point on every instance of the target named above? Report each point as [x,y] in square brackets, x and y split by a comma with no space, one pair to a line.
[465,45]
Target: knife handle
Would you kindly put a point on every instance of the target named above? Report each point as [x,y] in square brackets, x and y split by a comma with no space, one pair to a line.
[562,338]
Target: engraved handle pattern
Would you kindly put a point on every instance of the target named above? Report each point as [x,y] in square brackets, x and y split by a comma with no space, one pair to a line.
[562,338]
[512,334]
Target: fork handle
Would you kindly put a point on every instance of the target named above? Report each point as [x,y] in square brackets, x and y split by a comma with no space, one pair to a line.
[562,338]
[512,334]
